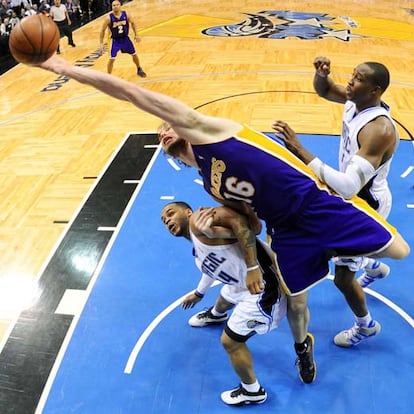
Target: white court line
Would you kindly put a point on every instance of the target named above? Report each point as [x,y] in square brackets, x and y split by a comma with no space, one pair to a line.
[407,171]
[151,327]
[131,181]
[410,205]
[167,197]
[198,181]
[72,327]
[389,303]
[173,164]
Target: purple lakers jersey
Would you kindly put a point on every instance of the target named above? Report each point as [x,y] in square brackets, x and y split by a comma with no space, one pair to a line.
[307,222]
[253,168]
[119,26]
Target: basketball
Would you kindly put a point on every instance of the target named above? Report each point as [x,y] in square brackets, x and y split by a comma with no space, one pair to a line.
[34,39]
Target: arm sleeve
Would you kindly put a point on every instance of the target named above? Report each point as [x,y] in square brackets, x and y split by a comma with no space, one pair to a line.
[204,284]
[348,183]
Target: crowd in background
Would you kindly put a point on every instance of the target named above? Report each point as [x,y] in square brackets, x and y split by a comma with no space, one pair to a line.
[11,11]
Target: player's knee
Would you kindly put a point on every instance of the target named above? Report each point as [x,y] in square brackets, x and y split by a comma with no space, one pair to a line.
[297,304]
[227,342]
[400,248]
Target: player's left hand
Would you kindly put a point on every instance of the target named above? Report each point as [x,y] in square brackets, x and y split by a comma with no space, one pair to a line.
[204,219]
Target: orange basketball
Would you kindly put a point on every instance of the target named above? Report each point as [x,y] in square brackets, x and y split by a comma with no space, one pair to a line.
[34,39]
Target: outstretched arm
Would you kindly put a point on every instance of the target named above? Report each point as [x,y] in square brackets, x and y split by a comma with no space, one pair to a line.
[191,125]
[162,106]
[323,84]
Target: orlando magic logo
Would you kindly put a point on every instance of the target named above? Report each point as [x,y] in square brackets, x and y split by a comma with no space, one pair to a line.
[251,324]
[278,24]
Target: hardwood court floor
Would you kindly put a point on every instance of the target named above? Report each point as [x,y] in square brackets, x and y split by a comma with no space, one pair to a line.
[57,135]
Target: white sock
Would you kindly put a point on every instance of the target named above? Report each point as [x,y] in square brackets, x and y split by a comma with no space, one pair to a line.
[215,313]
[369,263]
[251,387]
[364,320]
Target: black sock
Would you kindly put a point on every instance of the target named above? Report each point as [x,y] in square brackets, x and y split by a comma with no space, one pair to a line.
[301,348]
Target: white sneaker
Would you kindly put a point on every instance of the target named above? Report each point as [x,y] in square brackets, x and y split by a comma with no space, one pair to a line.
[356,334]
[377,271]
[206,318]
[239,396]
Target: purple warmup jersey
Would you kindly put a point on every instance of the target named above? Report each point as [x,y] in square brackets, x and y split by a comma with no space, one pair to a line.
[308,224]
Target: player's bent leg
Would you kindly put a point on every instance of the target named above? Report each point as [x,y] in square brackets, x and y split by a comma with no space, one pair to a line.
[354,295]
[222,305]
[242,362]
[364,327]
[298,317]
[240,358]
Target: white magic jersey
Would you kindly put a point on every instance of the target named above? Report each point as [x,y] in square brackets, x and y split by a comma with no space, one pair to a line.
[352,123]
[224,263]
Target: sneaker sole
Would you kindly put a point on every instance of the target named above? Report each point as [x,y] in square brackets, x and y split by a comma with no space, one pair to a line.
[241,403]
[206,324]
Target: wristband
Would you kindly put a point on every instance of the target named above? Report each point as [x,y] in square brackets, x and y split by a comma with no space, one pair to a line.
[252,268]
[198,294]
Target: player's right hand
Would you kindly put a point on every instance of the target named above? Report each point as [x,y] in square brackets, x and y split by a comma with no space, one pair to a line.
[322,66]
[190,300]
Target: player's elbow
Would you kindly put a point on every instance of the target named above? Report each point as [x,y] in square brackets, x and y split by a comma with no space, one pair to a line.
[347,192]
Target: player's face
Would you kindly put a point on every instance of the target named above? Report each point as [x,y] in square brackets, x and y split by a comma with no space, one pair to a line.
[175,219]
[171,143]
[116,5]
[360,86]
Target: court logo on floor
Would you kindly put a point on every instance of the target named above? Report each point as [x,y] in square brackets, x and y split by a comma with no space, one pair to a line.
[283,24]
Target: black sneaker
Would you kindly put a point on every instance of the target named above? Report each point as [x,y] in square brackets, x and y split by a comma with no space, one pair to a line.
[239,396]
[305,362]
[205,318]
[141,73]
[72,44]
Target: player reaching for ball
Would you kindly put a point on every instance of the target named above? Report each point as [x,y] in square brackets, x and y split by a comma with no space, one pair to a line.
[118,23]
[226,249]
[247,170]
